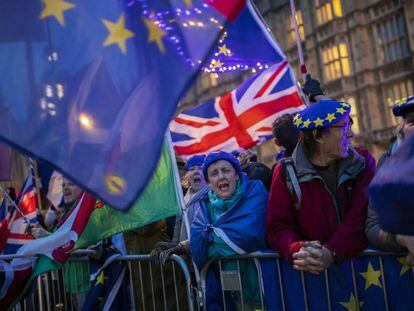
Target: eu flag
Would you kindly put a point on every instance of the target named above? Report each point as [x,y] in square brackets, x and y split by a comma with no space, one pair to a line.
[89,86]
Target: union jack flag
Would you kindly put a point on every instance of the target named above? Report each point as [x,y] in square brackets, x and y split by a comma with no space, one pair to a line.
[13,227]
[239,119]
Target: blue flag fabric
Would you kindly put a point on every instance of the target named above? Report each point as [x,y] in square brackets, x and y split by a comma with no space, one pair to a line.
[89,86]
[110,284]
[377,282]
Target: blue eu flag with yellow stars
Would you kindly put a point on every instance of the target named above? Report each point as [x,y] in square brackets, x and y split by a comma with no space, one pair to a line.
[89,86]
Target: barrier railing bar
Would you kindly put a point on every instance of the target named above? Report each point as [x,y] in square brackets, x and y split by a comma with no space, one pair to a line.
[222,290]
[354,284]
[259,272]
[163,287]
[240,284]
[131,288]
[305,294]
[328,290]
[47,291]
[384,287]
[142,285]
[152,286]
[279,275]
[177,300]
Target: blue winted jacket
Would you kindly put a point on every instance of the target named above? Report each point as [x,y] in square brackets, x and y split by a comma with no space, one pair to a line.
[243,223]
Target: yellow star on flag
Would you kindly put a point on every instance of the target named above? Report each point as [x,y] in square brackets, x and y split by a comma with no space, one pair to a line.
[56,8]
[330,117]
[118,34]
[101,278]
[371,277]
[224,50]
[216,63]
[340,110]
[351,305]
[405,265]
[318,122]
[188,3]
[306,123]
[298,121]
[155,33]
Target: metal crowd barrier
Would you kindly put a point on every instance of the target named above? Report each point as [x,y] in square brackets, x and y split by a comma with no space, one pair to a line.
[170,286]
[67,288]
[231,281]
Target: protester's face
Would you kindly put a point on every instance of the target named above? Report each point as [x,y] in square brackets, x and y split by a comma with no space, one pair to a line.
[70,191]
[196,177]
[408,126]
[222,178]
[338,139]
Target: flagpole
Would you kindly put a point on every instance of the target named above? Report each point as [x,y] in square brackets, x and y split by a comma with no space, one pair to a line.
[303,69]
[177,183]
[180,197]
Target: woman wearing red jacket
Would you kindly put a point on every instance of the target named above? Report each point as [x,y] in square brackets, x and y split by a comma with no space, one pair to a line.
[318,204]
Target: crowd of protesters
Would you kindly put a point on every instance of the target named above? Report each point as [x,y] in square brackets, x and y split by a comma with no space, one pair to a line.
[312,207]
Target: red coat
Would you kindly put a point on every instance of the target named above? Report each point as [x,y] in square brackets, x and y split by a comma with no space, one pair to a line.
[316,219]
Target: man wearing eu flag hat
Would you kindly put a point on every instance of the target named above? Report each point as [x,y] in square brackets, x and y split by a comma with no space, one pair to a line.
[376,236]
[317,205]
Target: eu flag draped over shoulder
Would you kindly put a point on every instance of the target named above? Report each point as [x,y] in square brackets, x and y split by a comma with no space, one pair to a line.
[90,85]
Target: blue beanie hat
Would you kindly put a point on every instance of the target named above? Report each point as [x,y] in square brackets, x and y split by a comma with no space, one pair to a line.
[321,114]
[403,107]
[196,160]
[221,155]
[391,190]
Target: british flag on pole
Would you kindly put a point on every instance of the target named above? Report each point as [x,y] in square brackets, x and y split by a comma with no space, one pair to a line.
[239,119]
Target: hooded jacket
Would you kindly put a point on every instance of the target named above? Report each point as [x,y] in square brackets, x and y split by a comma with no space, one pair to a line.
[337,222]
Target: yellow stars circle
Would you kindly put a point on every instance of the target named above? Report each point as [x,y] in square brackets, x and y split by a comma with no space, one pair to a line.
[371,277]
[330,117]
[340,110]
[101,278]
[405,265]
[55,8]
[216,64]
[118,34]
[224,50]
[115,184]
[155,33]
[318,122]
[352,305]
[298,121]
[306,123]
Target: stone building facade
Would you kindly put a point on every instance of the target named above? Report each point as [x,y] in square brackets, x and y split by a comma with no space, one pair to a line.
[362,51]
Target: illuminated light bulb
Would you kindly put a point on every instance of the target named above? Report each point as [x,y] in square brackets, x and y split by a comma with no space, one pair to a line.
[200,24]
[49,91]
[254,70]
[191,23]
[85,121]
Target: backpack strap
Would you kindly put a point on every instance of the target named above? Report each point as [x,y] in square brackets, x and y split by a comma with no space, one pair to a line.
[292,182]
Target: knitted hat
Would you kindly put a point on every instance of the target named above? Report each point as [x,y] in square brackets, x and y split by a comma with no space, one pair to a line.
[221,155]
[321,114]
[403,107]
[196,160]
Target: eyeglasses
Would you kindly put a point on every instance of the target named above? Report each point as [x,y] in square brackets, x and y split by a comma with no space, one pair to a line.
[345,127]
